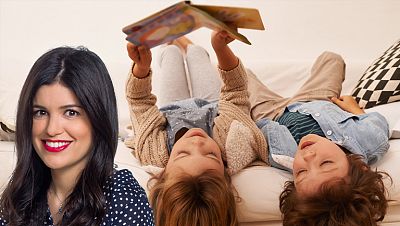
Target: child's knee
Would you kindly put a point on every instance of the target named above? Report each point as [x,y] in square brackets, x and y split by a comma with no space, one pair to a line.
[331,57]
[171,50]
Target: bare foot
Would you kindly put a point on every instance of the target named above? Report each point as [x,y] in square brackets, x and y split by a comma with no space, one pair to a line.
[182,42]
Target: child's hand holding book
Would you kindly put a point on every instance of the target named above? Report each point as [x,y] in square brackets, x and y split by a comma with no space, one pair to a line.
[141,56]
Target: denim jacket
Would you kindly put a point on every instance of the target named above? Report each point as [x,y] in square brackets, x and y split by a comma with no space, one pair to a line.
[366,134]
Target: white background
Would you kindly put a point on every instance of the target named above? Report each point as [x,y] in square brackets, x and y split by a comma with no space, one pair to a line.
[359,30]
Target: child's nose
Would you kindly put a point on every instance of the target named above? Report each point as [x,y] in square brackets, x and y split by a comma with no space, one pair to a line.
[308,155]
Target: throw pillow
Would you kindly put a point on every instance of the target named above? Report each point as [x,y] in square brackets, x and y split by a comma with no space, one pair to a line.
[380,83]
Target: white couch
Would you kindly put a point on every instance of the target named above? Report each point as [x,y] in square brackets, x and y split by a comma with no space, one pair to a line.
[297,32]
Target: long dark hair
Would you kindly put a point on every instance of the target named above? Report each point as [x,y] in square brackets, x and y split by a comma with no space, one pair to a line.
[24,200]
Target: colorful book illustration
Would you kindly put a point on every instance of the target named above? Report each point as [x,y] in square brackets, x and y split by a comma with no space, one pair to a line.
[184,17]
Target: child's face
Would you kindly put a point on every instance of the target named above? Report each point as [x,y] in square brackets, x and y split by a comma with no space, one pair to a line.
[317,160]
[194,153]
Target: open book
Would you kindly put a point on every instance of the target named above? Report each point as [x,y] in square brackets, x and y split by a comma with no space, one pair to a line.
[184,17]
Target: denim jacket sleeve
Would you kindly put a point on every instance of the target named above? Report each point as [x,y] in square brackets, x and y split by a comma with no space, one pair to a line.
[366,134]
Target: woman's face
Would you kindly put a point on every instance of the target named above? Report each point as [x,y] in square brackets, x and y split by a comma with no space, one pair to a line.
[194,153]
[61,130]
[317,160]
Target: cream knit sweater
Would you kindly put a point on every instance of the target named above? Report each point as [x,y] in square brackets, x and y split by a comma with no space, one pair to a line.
[239,139]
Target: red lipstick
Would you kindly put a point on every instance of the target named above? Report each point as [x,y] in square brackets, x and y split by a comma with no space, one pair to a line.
[61,145]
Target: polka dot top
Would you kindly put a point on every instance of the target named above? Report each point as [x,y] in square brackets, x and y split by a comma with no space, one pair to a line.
[126,203]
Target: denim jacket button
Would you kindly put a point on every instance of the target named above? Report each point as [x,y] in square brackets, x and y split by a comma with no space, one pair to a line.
[329,132]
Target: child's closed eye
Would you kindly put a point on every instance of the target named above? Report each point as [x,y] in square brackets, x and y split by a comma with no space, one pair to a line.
[213,154]
[299,172]
[326,162]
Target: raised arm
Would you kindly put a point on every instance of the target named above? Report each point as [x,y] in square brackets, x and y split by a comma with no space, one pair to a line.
[149,142]
[226,58]
[233,74]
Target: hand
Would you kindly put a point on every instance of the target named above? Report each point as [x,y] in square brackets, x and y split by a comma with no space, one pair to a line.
[220,39]
[141,55]
[348,104]
[226,58]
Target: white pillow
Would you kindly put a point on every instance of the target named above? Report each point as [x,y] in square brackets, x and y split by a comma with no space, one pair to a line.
[391,112]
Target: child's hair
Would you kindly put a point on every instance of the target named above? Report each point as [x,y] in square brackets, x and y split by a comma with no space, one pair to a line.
[358,199]
[206,199]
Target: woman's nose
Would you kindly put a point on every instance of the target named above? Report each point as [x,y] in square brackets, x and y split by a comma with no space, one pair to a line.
[54,126]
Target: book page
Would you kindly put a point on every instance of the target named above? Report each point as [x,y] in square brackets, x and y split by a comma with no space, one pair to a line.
[242,17]
[203,19]
[183,18]
[163,26]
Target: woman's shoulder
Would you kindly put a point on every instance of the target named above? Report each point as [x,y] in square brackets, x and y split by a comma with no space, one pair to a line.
[127,200]
[2,222]
[123,179]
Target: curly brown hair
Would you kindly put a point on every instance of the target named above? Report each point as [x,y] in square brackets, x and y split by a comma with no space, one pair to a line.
[359,199]
[206,199]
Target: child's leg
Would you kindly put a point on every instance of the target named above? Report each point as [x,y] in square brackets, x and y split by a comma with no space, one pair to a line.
[169,78]
[204,78]
[325,81]
[264,102]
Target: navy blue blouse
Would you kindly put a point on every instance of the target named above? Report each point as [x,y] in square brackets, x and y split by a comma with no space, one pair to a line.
[127,202]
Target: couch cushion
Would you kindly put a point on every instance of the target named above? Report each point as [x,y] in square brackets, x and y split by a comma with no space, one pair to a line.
[380,83]
[391,113]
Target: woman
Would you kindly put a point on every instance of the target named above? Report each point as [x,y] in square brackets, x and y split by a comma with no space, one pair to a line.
[66,139]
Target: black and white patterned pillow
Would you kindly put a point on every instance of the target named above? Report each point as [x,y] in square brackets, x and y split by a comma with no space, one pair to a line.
[380,83]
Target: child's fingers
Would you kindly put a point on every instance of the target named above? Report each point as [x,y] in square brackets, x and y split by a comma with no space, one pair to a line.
[222,37]
[145,54]
[132,51]
[337,101]
[226,37]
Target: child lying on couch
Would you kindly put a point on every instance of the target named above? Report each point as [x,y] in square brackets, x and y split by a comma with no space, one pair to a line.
[200,141]
[328,142]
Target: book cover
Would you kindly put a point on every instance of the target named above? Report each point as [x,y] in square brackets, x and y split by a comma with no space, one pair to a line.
[184,17]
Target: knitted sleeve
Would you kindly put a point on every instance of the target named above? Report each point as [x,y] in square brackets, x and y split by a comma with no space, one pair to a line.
[234,88]
[149,143]
[234,131]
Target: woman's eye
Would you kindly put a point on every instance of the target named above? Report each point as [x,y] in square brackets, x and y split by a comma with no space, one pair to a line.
[39,113]
[71,113]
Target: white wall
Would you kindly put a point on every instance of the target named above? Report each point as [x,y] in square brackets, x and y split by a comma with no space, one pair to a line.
[296,30]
